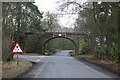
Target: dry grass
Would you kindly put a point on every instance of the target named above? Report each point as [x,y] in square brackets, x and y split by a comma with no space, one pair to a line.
[84,56]
[11,69]
[106,63]
[114,67]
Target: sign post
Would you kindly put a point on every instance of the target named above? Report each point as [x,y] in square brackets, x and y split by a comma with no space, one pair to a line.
[17,60]
[17,49]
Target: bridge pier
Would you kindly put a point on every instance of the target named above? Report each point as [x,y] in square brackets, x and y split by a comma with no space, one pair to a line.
[77,45]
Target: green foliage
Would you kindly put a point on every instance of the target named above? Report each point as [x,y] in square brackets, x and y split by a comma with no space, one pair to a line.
[101,23]
[60,43]
[30,44]
[82,44]
[18,19]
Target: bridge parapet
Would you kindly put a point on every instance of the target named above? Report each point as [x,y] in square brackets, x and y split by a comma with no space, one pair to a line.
[66,34]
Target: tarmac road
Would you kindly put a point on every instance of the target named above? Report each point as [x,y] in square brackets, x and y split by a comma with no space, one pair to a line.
[62,65]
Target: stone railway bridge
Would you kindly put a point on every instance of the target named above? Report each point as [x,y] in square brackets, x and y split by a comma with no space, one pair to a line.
[72,36]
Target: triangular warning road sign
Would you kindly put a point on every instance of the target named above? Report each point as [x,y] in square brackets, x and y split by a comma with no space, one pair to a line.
[17,49]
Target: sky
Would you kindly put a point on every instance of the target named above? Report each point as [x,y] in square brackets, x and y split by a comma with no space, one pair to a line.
[46,5]
[52,7]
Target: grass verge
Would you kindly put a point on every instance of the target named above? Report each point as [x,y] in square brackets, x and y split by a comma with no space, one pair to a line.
[113,67]
[12,70]
[84,56]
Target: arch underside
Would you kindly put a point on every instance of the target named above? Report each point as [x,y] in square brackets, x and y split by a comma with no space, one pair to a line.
[59,37]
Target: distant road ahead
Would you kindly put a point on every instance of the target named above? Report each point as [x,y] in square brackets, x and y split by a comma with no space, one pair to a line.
[61,65]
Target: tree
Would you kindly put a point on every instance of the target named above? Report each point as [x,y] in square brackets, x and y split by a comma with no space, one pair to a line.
[19,19]
[100,22]
[50,22]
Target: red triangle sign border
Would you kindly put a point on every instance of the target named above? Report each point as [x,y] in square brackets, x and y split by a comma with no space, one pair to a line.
[19,47]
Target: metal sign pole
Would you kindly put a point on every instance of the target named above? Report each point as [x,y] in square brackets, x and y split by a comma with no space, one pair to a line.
[17,59]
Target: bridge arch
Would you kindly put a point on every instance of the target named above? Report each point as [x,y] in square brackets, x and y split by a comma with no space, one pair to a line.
[75,45]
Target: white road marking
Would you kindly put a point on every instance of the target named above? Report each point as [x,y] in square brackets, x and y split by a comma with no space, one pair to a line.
[40,59]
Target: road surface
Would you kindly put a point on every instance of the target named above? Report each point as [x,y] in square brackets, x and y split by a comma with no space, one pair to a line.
[61,65]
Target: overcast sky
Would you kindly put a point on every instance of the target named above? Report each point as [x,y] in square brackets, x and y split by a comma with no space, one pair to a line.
[46,5]
[52,6]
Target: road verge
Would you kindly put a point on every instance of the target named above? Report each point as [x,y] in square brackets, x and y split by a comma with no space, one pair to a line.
[113,67]
[12,70]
